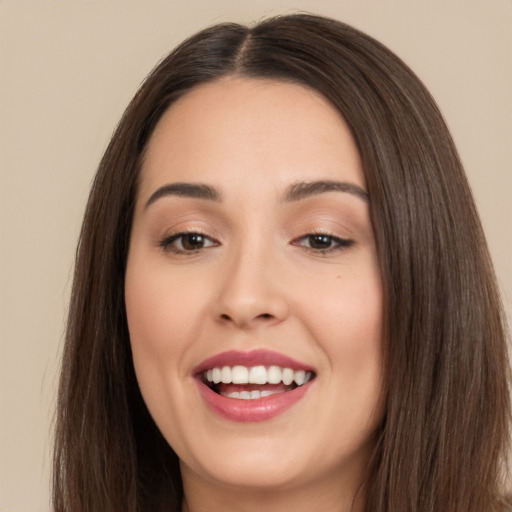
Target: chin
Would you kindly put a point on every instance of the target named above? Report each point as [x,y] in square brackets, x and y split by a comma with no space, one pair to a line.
[251,472]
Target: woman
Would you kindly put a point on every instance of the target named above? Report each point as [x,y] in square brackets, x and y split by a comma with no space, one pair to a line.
[283,296]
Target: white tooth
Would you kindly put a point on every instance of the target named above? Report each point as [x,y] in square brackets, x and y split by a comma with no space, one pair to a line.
[245,395]
[240,375]
[274,375]
[209,377]
[255,394]
[287,376]
[299,377]
[258,375]
[268,392]
[216,375]
[308,377]
[225,375]
[233,394]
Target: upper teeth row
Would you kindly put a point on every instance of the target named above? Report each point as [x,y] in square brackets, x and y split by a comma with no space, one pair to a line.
[257,375]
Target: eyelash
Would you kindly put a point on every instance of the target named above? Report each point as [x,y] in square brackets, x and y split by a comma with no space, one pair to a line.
[167,244]
[335,243]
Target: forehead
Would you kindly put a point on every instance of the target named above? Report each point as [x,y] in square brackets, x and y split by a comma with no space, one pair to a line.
[246,129]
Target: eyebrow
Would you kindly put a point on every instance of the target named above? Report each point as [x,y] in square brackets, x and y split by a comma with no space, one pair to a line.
[304,189]
[295,192]
[194,190]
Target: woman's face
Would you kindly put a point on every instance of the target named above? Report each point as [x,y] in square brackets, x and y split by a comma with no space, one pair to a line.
[252,261]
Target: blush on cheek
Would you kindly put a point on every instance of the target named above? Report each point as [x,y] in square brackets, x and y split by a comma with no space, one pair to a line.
[352,325]
[160,321]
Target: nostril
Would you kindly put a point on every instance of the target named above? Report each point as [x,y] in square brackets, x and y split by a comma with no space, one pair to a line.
[263,316]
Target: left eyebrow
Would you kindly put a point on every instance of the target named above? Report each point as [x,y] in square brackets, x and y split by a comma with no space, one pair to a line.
[304,189]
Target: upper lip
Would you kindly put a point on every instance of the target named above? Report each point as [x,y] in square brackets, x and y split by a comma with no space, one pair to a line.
[259,357]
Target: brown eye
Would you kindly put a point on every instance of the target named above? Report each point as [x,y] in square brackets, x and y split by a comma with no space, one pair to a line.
[187,242]
[322,243]
[193,241]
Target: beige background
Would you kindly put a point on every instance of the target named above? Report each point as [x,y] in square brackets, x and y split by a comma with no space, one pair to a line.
[67,70]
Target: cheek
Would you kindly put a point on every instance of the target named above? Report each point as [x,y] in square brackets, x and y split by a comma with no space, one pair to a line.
[161,310]
[148,314]
[356,352]
[347,322]
[349,312]
[145,305]
[161,323]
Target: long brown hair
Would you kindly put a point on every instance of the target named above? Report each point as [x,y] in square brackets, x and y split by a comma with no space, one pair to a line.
[443,441]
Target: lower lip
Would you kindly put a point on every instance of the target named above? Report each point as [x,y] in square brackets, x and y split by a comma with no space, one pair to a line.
[258,409]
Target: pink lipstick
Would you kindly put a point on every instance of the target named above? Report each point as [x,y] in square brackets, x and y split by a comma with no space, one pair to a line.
[252,386]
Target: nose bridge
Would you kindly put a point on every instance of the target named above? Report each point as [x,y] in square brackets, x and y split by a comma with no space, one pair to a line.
[251,292]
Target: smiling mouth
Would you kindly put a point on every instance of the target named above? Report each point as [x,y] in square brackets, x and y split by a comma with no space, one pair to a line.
[254,382]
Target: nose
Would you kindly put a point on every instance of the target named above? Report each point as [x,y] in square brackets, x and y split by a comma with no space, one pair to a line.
[251,292]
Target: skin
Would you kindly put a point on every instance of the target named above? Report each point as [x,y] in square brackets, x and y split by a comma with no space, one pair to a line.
[258,282]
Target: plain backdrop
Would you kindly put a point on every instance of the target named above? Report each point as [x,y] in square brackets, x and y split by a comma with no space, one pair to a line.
[67,71]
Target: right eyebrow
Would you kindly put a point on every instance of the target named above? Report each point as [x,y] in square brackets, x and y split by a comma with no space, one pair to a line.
[194,190]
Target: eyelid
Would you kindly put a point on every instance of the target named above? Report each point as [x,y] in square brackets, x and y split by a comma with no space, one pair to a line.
[341,244]
[166,242]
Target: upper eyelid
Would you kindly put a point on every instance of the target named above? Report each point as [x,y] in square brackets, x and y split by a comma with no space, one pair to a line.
[340,239]
[184,227]
[324,220]
[177,234]
[318,218]
[326,232]
[220,234]
[203,232]
[167,243]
